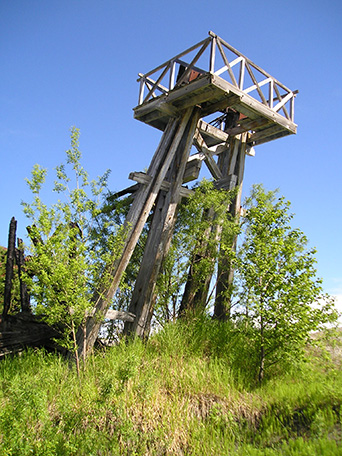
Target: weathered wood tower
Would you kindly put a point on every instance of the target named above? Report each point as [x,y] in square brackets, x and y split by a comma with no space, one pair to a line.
[210,96]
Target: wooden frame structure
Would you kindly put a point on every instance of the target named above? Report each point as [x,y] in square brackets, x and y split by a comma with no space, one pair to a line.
[227,78]
[210,96]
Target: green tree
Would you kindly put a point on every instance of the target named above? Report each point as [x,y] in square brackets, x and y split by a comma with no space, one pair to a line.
[67,255]
[280,299]
[188,271]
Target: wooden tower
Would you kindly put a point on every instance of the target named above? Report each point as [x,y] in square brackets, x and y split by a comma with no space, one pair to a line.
[210,96]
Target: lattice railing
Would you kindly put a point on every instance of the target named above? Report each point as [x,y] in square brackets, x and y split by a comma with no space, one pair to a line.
[214,56]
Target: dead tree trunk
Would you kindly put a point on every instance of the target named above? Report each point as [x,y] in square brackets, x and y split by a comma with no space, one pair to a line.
[9,266]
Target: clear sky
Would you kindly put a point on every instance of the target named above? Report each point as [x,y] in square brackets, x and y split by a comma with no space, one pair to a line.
[75,62]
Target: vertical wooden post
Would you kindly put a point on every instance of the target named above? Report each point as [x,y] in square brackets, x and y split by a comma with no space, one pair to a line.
[159,237]
[9,265]
[234,163]
[135,221]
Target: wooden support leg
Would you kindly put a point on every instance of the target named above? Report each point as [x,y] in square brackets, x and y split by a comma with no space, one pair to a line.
[136,218]
[234,163]
[159,237]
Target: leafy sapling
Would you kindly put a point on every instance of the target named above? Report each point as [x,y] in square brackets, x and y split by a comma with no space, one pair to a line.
[67,257]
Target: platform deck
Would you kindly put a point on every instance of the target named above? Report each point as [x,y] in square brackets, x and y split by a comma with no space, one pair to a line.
[214,94]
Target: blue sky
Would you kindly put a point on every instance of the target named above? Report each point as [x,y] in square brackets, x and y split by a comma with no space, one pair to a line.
[75,62]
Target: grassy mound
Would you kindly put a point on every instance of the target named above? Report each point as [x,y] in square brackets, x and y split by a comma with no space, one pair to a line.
[185,392]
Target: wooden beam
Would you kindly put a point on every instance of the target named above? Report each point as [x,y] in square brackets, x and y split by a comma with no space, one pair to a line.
[119,315]
[159,237]
[135,221]
[209,161]
[262,134]
[213,132]
[246,125]
[231,74]
[145,179]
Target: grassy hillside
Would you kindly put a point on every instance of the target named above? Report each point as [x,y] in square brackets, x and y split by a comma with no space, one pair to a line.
[188,391]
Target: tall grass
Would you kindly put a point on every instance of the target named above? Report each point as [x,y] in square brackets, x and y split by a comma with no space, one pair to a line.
[185,392]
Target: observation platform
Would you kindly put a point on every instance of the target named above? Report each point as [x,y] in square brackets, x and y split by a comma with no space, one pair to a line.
[220,80]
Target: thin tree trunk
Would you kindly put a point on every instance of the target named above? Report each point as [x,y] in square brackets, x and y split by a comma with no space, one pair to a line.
[262,351]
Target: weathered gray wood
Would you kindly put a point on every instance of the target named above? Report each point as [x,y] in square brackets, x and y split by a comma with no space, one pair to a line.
[247,125]
[136,219]
[192,170]
[209,161]
[23,330]
[159,237]
[119,315]
[145,179]
[9,265]
[213,132]
[233,163]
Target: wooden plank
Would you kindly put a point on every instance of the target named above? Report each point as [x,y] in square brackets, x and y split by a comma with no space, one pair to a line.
[246,125]
[172,74]
[283,102]
[232,64]
[143,178]
[264,133]
[211,131]
[226,100]
[280,134]
[193,98]
[260,84]
[119,315]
